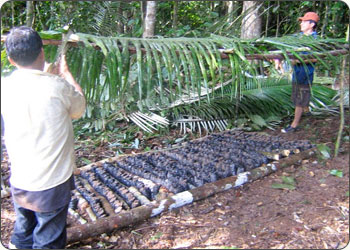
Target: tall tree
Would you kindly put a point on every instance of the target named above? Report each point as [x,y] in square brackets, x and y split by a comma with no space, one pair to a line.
[231,7]
[325,22]
[150,19]
[251,23]
[175,10]
[12,14]
[30,14]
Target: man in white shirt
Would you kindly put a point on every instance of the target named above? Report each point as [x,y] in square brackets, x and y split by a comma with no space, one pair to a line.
[38,108]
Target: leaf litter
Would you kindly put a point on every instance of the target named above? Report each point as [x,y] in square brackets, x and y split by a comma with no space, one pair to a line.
[305,215]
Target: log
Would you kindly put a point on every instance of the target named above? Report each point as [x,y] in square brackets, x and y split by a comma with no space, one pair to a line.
[141,213]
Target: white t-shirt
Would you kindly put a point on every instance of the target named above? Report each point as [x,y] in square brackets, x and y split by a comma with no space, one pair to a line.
[38,109]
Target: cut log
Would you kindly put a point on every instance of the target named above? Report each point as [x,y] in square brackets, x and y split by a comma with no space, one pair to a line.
[108,224]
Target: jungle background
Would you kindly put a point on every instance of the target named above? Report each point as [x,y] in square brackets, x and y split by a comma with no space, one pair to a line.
[145,109]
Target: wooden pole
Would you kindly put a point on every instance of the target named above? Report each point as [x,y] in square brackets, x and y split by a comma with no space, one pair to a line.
[224,55]
[341,104]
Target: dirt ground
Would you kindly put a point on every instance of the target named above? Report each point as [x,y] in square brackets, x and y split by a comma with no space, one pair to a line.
[315,215]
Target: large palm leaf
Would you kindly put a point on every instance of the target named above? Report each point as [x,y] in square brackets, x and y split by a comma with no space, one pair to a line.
[211,78]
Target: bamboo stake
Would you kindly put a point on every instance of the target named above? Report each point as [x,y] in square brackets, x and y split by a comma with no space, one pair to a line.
[141,213]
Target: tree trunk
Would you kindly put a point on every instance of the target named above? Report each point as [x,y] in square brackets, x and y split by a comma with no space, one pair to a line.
[278,20]
[232,9]
[251,23]
[143,10]
[150,19]
[13,13]
[175,9]
[229,5]
[325,19]
[120,25]
[267,19]
[30,13]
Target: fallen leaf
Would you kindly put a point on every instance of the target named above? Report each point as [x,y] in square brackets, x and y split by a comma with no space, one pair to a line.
[220,211]
[336,172]
[282,186]
[304,162]
[288,180]
[324,150]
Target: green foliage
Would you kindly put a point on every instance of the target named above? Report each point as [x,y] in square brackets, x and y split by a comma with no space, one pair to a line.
[288,180]
[157,236]
[287,183]
[183,79]
[324,150]
[282,186]
[336,172]
[6,67]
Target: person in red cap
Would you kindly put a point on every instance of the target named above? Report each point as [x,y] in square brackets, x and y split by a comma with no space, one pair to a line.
[310,16]
[303,74]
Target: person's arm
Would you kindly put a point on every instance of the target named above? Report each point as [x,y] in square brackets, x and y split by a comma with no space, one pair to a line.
[77,99]
[62,70]
[278,64]
[67,75]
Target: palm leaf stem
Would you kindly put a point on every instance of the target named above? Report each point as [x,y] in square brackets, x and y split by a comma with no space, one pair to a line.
[223,53]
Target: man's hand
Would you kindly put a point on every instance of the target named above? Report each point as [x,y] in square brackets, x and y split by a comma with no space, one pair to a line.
[61,69]
[278,65]
[51,68]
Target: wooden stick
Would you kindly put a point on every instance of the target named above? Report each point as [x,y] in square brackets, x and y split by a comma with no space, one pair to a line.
[75,39]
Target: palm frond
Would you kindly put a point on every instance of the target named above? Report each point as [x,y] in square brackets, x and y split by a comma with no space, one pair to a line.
[336,98]
[106,16]
[163,74]
[148,122]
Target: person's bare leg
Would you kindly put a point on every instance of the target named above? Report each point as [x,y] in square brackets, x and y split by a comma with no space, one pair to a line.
[297,115]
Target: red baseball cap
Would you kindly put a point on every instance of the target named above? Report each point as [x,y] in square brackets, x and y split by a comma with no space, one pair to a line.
[310,16]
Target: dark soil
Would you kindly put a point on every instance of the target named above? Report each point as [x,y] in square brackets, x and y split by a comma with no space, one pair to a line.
[313,215]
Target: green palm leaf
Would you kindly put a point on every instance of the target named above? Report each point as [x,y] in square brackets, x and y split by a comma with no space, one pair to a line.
[211,79]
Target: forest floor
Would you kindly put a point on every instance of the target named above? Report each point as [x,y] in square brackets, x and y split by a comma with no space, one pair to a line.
[313,215]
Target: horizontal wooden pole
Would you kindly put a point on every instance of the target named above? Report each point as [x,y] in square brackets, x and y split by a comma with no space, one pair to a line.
[73,42]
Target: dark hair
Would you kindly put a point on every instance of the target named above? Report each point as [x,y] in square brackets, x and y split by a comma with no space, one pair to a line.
[315,24]
[23,45]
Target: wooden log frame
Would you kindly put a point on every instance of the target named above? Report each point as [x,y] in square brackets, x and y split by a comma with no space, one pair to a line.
[74,40]
[141,213]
